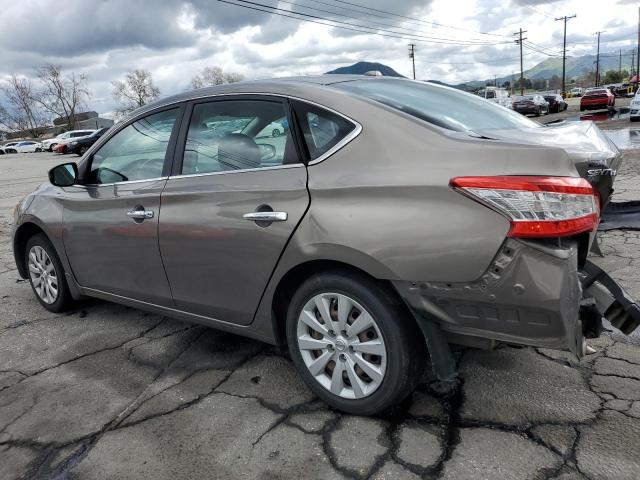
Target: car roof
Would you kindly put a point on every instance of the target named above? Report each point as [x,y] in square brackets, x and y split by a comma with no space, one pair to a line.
[288,86]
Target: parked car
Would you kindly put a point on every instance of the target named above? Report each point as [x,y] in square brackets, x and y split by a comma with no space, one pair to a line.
[597,99]
[634,107]
[395,214]
[530,104]
[27,146]
[80,145]
[274,129]
[60,147]
[9,147]
[495,95]
[556,103]
[577,92]
[50,143]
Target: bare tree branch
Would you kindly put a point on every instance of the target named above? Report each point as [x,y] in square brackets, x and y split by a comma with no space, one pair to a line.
[214,76]
[62,95]
[23,112]
[136,90]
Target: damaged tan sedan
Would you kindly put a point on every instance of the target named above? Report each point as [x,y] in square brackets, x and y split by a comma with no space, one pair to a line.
[386,219]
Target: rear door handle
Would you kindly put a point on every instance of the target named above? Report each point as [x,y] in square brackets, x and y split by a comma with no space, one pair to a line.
[140,214]
[266,216]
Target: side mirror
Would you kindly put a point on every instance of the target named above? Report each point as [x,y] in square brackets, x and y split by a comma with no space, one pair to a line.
[64,175]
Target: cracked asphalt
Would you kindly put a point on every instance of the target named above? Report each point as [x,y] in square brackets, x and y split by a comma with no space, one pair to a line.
[110,392]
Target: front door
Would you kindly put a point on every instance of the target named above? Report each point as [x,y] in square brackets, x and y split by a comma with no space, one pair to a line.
[232,206]
[111,220]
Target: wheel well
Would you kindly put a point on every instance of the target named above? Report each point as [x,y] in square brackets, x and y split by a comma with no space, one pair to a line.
[20,239]
[296,276]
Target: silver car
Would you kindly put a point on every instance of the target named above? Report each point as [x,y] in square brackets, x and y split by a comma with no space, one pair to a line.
[390,219]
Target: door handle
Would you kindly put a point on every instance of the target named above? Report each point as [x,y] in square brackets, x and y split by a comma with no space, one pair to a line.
[140,214]
[266,216]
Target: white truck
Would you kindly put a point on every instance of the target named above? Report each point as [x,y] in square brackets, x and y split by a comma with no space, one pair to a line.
[496,95]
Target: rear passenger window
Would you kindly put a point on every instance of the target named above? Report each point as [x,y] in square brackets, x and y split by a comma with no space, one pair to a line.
[322,129]
[227,135]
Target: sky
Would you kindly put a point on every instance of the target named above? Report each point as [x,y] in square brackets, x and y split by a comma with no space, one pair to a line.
[456,41]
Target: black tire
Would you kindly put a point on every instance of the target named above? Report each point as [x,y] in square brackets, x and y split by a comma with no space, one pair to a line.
[52,146]
[275,133]
[82,150]
[38,149]
[64,299]
[537,114]
[406,350]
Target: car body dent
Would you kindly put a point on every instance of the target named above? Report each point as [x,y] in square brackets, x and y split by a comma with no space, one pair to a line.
[530,295]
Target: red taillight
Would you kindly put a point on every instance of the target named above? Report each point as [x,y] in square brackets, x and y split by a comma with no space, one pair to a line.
[536,206]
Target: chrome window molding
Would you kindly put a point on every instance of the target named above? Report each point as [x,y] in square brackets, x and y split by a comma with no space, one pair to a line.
[241,170]
[348,138]
[353,134]
[125,182]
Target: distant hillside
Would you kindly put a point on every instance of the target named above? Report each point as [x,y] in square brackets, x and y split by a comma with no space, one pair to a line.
[575,67]
[361,68]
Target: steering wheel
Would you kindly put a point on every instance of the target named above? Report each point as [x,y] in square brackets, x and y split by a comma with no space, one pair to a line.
[267,152]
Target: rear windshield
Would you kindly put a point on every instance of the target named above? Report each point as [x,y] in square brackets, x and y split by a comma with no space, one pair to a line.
[442,106]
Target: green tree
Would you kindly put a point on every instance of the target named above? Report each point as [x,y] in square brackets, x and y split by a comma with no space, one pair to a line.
[612,76]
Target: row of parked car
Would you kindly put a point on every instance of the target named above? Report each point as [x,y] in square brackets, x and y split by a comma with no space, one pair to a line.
[74,141]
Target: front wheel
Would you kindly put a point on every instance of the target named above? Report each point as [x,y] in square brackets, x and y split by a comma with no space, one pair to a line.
[354,344]
[82,150]
[275,133]
[46,274]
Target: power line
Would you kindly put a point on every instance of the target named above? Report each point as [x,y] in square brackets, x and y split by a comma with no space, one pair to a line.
[379,24]
[537,10]
[495,60]
[417,19]
[350,26]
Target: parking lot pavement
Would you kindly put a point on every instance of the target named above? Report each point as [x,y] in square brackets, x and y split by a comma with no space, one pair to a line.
[112,392]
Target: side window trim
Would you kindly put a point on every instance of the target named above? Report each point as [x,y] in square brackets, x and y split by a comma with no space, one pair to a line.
[181,138]
[169,154]
[343,142]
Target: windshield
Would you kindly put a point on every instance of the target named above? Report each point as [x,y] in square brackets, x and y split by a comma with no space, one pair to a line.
[442,106]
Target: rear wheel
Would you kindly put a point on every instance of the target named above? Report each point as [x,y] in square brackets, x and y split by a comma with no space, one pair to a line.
[353,343]
[46,274]
[82,150]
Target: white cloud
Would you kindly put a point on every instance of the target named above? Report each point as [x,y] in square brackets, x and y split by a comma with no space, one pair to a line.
[176,40]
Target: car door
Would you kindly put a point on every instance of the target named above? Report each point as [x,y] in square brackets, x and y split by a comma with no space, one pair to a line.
[235,197]
[111,218]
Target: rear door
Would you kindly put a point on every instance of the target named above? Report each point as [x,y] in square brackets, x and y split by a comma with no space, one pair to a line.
[237,192]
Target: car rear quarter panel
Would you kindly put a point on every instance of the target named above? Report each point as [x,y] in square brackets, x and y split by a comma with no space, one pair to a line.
[383,202]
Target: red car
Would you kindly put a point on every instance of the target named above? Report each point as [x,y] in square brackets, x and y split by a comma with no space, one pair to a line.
[597,99]
[60,148]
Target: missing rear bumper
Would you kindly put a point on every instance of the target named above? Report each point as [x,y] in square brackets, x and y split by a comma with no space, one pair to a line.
[530,295]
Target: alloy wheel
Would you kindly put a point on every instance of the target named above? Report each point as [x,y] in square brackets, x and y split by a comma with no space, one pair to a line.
[43,275]
[341,345]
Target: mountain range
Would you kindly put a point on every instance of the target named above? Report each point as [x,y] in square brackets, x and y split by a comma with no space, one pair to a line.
[575,67]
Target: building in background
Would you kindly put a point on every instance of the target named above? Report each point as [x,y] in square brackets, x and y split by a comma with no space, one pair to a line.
[82,121]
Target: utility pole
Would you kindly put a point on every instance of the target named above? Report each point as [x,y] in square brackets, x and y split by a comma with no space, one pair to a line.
[598,60]
[564,48]
[620,66]
[519,42]
[412,56]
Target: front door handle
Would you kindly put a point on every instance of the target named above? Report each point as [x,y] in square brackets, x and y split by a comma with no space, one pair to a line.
[140,214]
[266,216]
